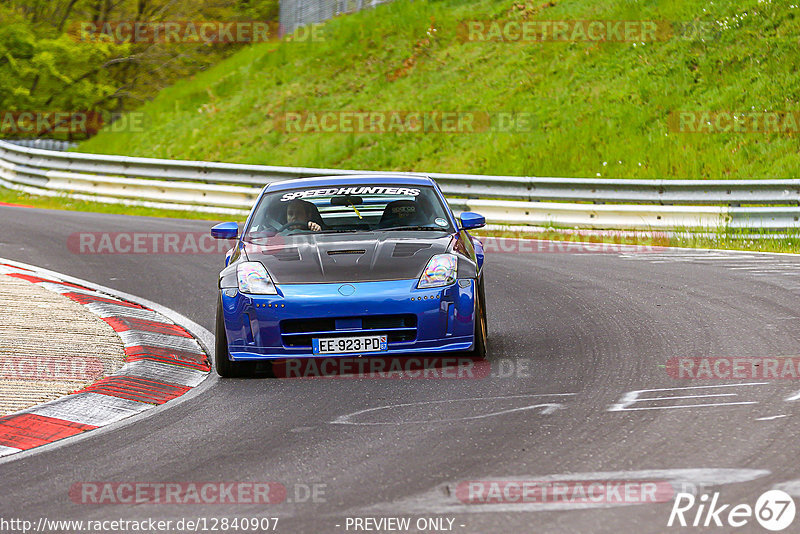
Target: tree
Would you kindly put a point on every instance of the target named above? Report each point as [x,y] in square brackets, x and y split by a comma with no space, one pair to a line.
[47,65]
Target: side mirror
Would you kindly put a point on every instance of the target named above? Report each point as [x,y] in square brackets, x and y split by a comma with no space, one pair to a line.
[470,220]
[226,230]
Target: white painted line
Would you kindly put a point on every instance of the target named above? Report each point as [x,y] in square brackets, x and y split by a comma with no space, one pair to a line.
[754,261]
[5,451]
[706,387]
[683,406]
[689,397]
[443,499]
[711,258]
[749,268]
[103,309]
[643,234]
[730,253]
[90,408]
[792,487]
[770,418]
[758,265]
[632,397]
[163,372]
[132,338]
[546,409]
[697,259]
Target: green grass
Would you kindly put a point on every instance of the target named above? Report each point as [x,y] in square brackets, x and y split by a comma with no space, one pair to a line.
[599,109]
[740,239]
[721,238]
[9,196]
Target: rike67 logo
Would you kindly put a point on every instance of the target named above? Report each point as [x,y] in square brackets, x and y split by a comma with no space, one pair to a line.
[774,510]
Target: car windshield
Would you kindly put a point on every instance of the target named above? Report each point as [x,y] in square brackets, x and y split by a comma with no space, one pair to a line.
[344,208]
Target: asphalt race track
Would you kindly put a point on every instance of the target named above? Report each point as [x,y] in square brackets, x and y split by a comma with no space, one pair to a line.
[571,337]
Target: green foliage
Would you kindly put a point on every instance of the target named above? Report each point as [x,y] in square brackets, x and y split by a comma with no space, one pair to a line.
[45,65]
[599,109]
[259,9]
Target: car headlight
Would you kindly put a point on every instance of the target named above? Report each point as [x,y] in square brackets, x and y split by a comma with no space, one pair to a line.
[253,278]
[441,270]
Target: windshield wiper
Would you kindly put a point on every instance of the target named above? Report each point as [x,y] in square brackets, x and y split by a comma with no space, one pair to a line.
[250,238]
[340,231]
[411,228]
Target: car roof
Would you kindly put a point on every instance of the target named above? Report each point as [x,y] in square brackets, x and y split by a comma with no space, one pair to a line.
[352,179]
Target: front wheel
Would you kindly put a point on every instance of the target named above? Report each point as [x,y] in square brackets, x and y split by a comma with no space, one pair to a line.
[479,345]
[222,359]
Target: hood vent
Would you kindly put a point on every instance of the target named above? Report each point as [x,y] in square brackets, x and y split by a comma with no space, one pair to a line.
[406,250]
[348,251]
[287,254]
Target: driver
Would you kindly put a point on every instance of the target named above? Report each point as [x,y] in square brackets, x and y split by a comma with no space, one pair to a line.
[297,212]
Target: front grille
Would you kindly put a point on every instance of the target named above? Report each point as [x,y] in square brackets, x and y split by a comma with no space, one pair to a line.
[389,321]
[299,332]
[297,326]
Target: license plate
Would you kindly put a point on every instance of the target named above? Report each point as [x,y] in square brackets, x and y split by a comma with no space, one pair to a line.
[343,345]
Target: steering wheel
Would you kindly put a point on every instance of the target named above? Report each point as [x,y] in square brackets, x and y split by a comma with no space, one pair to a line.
[295,224]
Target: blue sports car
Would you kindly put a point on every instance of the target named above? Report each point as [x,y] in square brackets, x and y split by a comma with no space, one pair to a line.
[349,266]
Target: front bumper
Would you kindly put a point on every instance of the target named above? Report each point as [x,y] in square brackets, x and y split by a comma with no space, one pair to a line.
[281,326]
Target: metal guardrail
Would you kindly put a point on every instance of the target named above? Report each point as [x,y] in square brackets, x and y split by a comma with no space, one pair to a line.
[296,13]
[44,144]
[566,202]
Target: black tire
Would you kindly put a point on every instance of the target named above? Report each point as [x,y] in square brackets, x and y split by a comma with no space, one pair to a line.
[479,346]
[482,294]
[225,367]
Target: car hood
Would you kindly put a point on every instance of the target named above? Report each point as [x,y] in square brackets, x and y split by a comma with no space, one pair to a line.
[330,258]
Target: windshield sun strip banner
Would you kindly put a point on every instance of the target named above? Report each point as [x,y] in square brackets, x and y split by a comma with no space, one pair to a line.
[351,190]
